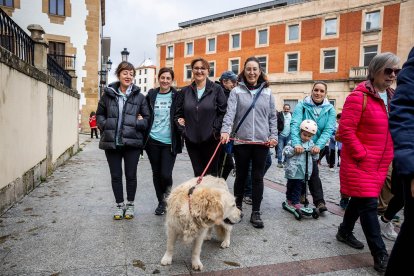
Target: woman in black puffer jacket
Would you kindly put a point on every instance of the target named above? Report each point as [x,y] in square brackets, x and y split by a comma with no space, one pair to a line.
[122,116]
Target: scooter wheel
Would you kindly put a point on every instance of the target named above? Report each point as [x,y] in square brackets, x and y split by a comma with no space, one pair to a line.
[298,214]
[315,214]
[284,206]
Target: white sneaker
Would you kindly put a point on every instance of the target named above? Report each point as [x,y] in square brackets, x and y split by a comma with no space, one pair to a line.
[387,230]
[332,169]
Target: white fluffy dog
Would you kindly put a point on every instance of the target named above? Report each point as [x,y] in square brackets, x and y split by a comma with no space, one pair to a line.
[193,212]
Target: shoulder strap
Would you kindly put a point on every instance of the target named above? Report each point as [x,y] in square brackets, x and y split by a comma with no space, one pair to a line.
[364,104]
[248,111]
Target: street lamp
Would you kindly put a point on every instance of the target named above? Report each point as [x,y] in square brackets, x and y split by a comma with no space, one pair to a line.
[125,54]
[108,65]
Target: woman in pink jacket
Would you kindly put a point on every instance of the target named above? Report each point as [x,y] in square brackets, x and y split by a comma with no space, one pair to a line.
[367,151]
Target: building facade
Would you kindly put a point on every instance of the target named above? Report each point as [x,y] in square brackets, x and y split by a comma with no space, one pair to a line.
[73,31]
[146,76]
[296,41]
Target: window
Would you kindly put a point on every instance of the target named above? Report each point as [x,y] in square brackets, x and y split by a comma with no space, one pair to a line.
[329,58]
[372,20]
[235,41]
[139,71]
[331,26]
[145,71]
[292,62]
[57,52]
[263,63]
[188,72]
[189,49]
[369,53]
[262,37]
[7,3]
[211,45]
[145,89]
[170,52]
[294,32]
[292,103]
[332,102]
[139,81]
[212,65]
[57,7]
[145,80]
[234,66]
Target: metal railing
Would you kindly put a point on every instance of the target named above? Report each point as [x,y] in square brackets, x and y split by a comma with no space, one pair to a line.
[66,62]
[15,40]
[56,71]
[358,73]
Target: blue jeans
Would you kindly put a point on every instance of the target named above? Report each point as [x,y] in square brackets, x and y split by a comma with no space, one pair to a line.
[282,142]
[248,186]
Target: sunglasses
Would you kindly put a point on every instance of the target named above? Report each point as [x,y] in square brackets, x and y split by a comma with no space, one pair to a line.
[389,71]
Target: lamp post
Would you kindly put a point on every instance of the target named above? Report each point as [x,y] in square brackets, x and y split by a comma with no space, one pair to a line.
[104,76]
[125,54]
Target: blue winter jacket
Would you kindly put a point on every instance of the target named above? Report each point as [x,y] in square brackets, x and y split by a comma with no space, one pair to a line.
[296,163]
[325,121]
[401,119]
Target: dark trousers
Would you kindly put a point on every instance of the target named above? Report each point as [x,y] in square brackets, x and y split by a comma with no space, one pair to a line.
[401,258]
[248,187]
[365,208]
[242,155]
[114,158]
[94,130]
[324,152]
[225,163]
[200,154]
[397,201]
[294,190]
[162,164]
[315,185]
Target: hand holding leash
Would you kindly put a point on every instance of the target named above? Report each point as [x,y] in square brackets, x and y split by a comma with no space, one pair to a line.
[225,137]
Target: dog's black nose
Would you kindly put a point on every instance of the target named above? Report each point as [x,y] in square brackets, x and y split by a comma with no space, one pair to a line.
[227,221]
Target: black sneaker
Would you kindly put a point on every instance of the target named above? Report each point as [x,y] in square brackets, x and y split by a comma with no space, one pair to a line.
[160,209]
[322,207]
[380,263]
[256,220]
[349,239]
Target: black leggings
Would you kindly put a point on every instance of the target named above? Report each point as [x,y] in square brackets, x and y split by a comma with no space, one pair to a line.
[242,155]
[114,158]
[162,164]
[200,154]
[96,132]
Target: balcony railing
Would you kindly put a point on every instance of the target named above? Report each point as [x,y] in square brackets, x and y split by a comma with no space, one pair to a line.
[66,62]
[358,73]
[56,71]
[15,40]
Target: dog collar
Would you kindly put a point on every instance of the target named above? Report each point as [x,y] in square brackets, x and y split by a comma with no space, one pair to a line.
[190,192]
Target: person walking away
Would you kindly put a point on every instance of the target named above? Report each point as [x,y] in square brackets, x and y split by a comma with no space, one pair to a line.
[401,127]
[164,137]
[123,115]
[92,124]
[283,123]
[255,135]
[200,109]
[296,164]
[227,81]
[367,151]
[315,107]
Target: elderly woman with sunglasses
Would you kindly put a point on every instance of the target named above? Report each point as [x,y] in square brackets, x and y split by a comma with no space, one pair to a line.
[367,151]
[200,110]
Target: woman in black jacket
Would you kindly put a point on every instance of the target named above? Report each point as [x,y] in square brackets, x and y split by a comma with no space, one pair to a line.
[200,108]
[122,116]
[164,136]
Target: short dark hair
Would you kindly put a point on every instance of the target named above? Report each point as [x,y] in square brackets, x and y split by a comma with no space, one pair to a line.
[338,116]
[203,61]
[288,105]
[124,65]
[262,77]
[92,114]
[166,70]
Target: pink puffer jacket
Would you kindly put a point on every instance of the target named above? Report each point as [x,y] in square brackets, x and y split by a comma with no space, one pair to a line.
[367,148]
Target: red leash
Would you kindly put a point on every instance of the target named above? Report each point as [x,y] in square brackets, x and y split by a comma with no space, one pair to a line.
[208,164]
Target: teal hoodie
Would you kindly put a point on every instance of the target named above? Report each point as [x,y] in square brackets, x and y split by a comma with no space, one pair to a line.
[324,115]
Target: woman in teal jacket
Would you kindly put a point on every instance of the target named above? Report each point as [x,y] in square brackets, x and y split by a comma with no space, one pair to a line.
[317,108]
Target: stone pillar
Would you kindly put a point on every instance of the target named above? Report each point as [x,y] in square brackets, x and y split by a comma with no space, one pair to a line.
[74,83]
[40,47]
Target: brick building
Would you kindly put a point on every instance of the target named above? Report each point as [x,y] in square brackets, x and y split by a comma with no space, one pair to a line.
[297,42]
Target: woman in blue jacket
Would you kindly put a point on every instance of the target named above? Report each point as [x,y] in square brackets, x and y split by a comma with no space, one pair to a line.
[315,107]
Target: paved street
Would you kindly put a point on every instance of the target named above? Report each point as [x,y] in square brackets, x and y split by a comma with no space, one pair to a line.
[65,227]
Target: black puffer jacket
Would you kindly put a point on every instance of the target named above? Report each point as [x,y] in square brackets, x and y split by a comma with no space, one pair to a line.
[176,130]
[203,118]
[132,130]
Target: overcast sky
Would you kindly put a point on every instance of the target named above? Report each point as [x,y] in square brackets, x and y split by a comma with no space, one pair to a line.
[134,24]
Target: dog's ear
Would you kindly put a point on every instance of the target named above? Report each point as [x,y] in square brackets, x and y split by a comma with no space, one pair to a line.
[215,209]
[207,205]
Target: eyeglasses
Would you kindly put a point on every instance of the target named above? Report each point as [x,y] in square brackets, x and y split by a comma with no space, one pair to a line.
[319,90]
[389,71]
[199,69]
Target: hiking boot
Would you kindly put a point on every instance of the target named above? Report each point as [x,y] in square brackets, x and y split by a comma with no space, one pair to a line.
[387,230]
[248,200]
[129,211]
[322,207]
[119,211]
[349,239]
[160,210]
[255,220]
[343,203]
[381,262]
[279,165]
